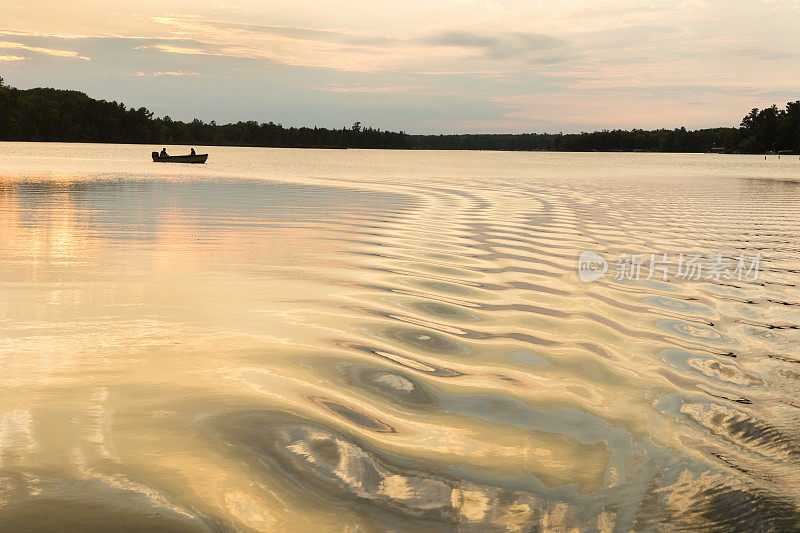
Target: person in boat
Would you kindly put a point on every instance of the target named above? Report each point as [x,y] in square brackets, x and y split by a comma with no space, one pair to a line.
[164,152]
[193,152]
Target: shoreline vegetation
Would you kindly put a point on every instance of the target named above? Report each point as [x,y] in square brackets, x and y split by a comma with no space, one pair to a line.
[55,115]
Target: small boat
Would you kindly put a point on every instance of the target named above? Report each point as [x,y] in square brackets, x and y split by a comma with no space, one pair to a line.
[192,158]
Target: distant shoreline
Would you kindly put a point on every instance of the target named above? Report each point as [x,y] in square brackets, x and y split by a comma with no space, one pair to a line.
[53,115]
[416,149]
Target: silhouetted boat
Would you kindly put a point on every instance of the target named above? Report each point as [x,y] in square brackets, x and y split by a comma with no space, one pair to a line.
[196,158]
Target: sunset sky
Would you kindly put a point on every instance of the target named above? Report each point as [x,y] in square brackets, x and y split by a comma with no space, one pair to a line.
[423,66]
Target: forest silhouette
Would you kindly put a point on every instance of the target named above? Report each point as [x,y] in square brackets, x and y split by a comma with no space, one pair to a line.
[54,115]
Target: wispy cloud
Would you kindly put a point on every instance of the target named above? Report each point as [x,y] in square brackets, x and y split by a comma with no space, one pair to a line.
[365,89]
[173,49]
[8,45]
[176,74]
[498,46]
[189,26]
[16,33]
[355,51]
[766,54]
[10,59]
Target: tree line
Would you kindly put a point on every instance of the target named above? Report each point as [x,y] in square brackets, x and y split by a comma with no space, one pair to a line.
[761,131]
[54,115]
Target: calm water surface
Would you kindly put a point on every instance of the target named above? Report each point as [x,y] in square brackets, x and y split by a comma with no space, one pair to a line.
[380,340]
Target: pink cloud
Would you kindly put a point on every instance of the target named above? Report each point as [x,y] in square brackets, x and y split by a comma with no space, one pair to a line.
[160,74]
[338,88]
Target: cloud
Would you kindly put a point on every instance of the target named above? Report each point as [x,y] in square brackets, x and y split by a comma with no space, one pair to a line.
[480,73]
[363,89]
[7,45]
[172,49]
[355,51]
[15,33]
[765,54]
[189,27]
[170,74]
[9,59]
[497,46]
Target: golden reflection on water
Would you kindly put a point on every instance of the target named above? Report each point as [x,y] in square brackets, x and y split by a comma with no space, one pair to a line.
[389,340]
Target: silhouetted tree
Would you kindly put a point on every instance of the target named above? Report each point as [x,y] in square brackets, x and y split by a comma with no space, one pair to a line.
[57,115]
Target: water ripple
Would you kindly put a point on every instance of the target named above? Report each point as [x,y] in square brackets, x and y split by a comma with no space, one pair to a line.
[339,340]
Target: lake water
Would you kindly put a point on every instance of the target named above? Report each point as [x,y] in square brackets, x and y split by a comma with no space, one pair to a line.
[310,340]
